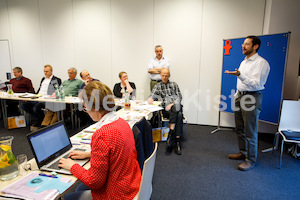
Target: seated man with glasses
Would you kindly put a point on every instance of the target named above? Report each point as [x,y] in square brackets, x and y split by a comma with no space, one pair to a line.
[86,77]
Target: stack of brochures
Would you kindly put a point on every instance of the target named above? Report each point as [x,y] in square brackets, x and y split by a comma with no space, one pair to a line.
[82,138]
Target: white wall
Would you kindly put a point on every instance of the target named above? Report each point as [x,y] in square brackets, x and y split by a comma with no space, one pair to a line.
[92,38]
[285,17]
[109,36]
[5,64]
[25,40]
[177,27]
[132,42]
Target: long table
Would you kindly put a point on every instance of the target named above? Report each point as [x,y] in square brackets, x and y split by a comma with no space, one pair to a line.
[72,101]
[131,116]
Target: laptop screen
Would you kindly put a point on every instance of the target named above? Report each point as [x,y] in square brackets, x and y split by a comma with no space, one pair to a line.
[49,141]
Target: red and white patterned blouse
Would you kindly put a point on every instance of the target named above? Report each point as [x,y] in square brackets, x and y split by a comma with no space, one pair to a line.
[114,171]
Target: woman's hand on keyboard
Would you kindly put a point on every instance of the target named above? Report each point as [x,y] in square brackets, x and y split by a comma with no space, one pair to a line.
[66,163]
[77,155]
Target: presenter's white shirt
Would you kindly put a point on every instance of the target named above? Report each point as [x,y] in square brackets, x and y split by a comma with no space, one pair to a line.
[254,73]
[45,85]
[155,63]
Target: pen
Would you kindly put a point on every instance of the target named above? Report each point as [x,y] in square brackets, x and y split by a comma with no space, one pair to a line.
[85,139]
[48,175]
[85,142]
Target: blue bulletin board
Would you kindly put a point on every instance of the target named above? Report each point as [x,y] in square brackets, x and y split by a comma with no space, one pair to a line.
[274,49]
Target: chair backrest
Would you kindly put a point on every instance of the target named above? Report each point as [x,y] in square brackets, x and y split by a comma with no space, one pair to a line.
[139,146]
[147,175]
[289,117]
[146,132]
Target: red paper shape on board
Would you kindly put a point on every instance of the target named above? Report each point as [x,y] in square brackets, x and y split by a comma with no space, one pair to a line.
[227,47]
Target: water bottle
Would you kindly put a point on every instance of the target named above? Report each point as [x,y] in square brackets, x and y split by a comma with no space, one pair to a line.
[57,93]
[127,101]
[62,94]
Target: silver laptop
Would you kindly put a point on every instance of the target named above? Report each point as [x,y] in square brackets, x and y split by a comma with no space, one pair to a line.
[50,144]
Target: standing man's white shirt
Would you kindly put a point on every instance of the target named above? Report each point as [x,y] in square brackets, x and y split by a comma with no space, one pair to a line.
[45,85]
[254,73]
[155,63]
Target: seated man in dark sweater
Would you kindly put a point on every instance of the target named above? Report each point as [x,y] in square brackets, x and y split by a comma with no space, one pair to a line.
[20,84]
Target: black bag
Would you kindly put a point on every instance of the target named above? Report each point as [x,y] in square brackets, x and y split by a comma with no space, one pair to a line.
[154,121]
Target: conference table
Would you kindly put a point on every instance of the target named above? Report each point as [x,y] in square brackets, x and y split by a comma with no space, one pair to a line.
[58,104]
[138,110]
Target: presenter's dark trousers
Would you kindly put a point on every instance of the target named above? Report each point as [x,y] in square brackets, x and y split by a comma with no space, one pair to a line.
[246,118]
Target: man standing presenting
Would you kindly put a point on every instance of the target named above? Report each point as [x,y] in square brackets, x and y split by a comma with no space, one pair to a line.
[168,92]
[155,66]
[251,77]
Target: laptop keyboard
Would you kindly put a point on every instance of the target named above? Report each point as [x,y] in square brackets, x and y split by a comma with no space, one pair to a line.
[55,164]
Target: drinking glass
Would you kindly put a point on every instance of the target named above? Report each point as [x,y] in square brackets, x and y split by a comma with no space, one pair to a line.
[23,165]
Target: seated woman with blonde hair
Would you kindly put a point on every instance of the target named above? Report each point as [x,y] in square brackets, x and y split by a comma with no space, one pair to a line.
[114,171]
[120,88]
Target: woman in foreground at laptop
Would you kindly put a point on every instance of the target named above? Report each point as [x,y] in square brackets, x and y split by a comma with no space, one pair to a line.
[114,171]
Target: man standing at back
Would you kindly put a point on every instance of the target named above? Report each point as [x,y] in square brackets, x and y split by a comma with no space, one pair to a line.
[251,77]
[155,66]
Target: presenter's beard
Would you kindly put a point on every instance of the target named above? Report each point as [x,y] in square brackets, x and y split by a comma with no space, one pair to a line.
[246,52]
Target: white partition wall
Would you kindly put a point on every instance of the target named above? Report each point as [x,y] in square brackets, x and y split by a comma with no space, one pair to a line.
[25,37]
[132,42]
[4,22]
[5,53]
[57,35]
[177,27]
[5,64]
[92,36]
[109,36]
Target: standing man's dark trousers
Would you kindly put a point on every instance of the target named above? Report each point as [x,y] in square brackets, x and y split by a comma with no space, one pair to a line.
[246,119]
[35,110]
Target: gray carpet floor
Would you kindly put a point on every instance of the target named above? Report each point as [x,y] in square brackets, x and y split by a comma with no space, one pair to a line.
[203,171]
